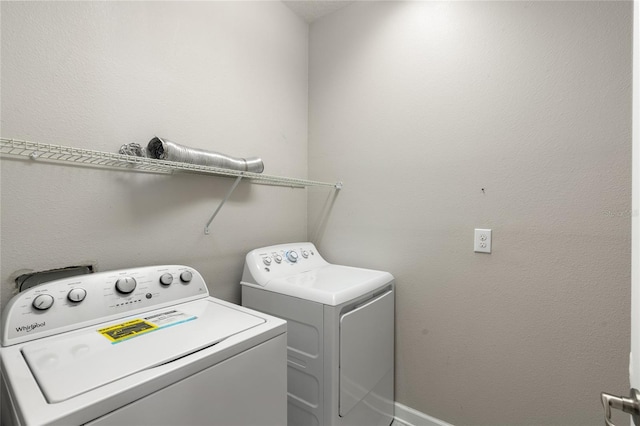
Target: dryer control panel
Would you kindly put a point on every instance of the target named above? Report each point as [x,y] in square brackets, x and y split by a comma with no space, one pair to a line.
[77,302]
[267,263]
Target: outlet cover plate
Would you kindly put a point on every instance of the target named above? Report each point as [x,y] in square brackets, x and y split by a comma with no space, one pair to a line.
[482,241]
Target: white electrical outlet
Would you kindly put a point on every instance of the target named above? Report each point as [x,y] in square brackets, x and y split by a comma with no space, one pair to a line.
[482,241]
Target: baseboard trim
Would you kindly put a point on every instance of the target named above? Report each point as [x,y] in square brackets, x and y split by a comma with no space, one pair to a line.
[407,416]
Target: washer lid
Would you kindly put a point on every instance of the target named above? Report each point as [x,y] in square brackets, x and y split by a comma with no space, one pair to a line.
[330,285]
[73,363]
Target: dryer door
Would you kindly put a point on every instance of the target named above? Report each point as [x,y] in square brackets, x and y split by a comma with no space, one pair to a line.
[366,349]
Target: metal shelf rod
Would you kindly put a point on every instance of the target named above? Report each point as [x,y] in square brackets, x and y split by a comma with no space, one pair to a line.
[50,152]
[66,154]
[224,200]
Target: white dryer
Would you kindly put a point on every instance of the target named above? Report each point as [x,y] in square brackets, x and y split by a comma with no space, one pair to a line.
[142,346]
[340,333]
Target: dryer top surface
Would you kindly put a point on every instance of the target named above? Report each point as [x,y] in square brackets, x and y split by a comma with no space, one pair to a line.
[330,284]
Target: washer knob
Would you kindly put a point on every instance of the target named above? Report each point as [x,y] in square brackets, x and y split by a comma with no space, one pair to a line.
[266,260]
[77,294]
[305,254]
[292,256]
[278,258]
[186,277]
[126,285]
[166,279]
[43,302]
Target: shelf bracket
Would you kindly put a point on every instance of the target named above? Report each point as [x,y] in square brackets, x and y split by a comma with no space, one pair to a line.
[224,200]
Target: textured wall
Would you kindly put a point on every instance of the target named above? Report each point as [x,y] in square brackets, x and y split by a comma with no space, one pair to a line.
[417,106]
[224,76]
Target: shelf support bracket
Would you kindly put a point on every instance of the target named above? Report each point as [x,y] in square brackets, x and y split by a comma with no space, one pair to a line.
[224,200]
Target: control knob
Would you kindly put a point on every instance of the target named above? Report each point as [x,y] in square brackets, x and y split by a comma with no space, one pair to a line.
[266,260]
[166,279]
[126,285]
[305,254]
[77,294]
[292,256]
[186,277]
[43,302]
[278,258]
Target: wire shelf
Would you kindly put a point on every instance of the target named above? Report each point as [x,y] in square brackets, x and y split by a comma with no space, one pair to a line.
[91,158]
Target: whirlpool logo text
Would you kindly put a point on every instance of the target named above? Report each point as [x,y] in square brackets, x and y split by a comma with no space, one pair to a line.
[30,327]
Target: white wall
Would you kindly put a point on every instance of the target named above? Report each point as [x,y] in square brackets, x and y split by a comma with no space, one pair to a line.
[224,76]
[417,106]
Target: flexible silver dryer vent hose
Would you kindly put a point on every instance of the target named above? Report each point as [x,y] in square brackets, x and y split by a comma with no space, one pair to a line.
[163,149]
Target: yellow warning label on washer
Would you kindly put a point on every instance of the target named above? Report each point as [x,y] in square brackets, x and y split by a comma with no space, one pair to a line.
[126,330]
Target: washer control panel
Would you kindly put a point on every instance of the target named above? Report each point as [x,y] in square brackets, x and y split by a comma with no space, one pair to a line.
[79,301]
[267,263]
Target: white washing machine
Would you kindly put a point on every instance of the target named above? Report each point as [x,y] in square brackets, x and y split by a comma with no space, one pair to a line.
[340,333]
[142,346]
